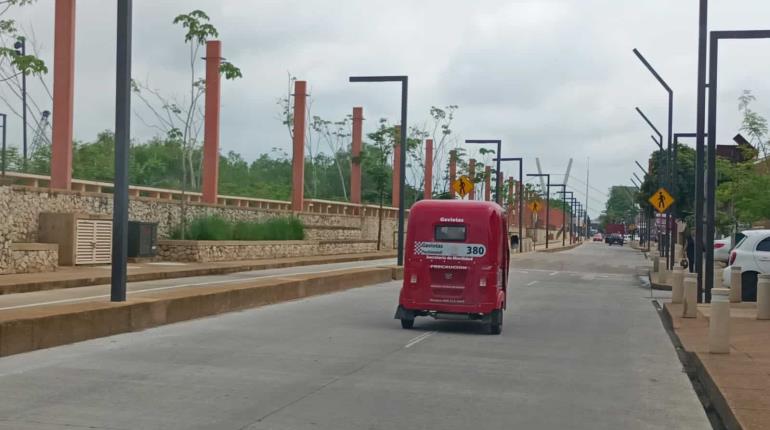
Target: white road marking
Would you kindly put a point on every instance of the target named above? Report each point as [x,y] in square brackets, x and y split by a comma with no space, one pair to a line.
[552,273]
[196,284]
[418,339]
[532,283]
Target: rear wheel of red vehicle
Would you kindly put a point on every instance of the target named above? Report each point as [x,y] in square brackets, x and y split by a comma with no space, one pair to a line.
[496,322]
[406,324]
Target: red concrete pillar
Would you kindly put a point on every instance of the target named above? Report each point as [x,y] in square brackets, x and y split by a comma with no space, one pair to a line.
[355,168]
[511,203]
[428,187]
[472,174]
[298,148]
[396,186]
[210,174]
[487,183]
[63,94]
[452,173]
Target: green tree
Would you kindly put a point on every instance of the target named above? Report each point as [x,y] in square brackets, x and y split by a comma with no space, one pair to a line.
[621,206]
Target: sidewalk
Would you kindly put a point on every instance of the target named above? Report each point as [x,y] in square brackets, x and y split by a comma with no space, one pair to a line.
[738,383]
[555,245]
[80,276]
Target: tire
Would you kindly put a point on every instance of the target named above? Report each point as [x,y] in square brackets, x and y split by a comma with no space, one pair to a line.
[407,324]
[749,286]
[496,322]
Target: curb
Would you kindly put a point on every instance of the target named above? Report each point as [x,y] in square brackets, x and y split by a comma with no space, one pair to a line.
[696,370]
[563,248]
[28,287]
[45,327]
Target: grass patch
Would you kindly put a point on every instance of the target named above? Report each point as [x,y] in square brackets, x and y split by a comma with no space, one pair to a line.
[217,228]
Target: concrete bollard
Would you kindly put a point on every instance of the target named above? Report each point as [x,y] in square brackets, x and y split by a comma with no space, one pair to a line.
[690,296]
[677,286]
[663,271]
[763,297]
[736,285]
[719,322]
[655,262]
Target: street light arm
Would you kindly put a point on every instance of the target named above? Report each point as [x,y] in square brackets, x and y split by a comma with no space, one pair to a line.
[640,166]
[652,70]
[378,79]
[647,120]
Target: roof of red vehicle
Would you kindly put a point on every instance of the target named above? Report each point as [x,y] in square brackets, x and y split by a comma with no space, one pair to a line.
[454,206]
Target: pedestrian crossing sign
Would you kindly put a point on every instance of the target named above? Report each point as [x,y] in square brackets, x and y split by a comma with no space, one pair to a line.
[661,200]
[462,186]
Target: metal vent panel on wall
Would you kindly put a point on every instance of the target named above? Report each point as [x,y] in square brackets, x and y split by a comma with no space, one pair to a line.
[93,241]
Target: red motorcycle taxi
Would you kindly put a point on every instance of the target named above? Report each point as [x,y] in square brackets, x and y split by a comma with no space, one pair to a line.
[456,263]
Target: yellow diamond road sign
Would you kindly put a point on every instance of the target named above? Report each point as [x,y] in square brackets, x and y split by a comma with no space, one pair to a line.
[661,200]
[534,205]
[463,185]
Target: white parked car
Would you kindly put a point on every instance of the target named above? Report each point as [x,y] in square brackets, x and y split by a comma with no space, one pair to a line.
[723,246]
[752,255]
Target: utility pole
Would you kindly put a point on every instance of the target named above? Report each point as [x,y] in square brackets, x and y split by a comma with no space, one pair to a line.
[588,168]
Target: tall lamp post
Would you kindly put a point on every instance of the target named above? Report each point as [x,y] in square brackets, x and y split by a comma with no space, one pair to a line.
[497,142]
[571,206]
[711,178]
[5,118]
[670,92]
[563,213]
[122,142]
[520,193]
[404,80]
[659,142]
[547,202]
[21,49]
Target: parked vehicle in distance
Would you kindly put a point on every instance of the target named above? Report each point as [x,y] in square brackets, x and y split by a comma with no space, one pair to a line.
[752,255]
[722,247]
[597,237]
[457,261]
[615,239]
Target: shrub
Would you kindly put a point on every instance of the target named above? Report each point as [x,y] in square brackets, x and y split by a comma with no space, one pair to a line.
[217,228]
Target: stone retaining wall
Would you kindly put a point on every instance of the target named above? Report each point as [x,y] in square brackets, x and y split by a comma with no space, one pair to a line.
[34,257]
[21,206]
[208,251]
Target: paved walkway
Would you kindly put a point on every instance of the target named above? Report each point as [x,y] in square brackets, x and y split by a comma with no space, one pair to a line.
[25,302]
[742,377]
[78,276]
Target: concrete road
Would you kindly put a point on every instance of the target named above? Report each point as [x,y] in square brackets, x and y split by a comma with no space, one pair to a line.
[582,348]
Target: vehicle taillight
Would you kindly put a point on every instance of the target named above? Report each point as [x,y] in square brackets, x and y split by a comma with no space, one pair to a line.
[483,282]
[718,245]
[732,258]
[413,279]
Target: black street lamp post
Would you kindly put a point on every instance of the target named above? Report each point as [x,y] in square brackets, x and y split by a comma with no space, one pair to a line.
[670,92]
[404,80]
[21,49]
[122,142]
[659,142]
[711,177]
[547,203]
[520,194]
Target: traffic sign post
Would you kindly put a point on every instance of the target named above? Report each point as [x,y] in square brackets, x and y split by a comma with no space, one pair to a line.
[462,186]
[661,200]
[535,205]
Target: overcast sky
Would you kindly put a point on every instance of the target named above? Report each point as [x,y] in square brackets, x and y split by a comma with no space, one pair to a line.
[555,79]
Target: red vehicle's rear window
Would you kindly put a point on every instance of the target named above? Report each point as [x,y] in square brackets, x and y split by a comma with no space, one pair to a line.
[450,233]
